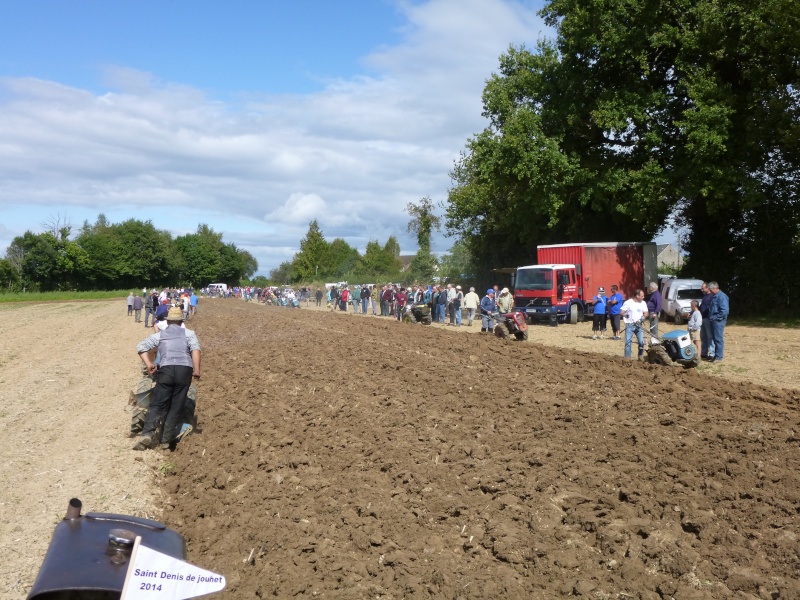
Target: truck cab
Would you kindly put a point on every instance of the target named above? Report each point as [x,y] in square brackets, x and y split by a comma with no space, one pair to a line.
[677,296]
[542,291]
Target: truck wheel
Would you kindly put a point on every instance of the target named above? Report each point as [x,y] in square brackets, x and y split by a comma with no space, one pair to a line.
[573,314]
[678,320]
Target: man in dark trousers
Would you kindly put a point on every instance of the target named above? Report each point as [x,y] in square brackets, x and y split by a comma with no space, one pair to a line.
[138,305]
[653,306]
[180,362]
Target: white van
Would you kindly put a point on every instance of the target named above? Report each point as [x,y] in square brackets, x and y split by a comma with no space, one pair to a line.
[677,297]
[217,289]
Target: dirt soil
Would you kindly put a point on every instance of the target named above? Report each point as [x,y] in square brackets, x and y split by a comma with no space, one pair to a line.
[355,457]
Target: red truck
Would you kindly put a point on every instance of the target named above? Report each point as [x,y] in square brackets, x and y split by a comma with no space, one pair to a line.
[568,275]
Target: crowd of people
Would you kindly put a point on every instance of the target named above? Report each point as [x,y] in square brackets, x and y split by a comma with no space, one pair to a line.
[641,311]
[155,304]
[449,304]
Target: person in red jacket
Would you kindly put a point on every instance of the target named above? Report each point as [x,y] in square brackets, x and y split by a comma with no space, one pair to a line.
[400,301]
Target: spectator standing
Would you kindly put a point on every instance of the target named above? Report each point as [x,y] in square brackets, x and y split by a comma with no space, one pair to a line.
[458,303]
[400,301]
[706,339]
[193,303]
[654,307]
[334,297]
[634,312]
[318,297]
[130,304]
[451,298]
[599,303]
[441,303]
[694,325]
[366,294]
[614,306]
[138,305]
[718,315]
[150,308]
[505,301]
[355,299]
[471,302]
[386,300]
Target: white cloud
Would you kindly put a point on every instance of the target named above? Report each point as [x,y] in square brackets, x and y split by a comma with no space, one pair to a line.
[352,155]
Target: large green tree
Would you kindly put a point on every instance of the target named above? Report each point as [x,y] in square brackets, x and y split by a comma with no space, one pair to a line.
[313,255]
[640,113]
[423,222]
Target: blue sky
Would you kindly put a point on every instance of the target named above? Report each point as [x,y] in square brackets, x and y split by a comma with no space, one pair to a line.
[253,117]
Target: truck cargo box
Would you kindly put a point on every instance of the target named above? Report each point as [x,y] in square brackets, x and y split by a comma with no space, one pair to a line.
[630,265]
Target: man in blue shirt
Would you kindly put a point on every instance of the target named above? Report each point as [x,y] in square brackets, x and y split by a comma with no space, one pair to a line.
[718,315]
[599,314]
[488,307]
[706,343]
[614,306]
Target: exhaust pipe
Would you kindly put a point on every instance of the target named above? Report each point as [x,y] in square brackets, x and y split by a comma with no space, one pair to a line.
[73,510]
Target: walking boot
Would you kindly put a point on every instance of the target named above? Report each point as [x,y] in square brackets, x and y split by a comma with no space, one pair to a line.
[145,441]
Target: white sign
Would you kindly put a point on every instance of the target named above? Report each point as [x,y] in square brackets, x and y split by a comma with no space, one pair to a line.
[156,576]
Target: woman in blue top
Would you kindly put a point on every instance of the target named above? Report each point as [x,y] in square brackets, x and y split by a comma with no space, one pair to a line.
[614,306]
[599,325]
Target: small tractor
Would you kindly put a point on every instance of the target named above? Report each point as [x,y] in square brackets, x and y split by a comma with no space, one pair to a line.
[674,349]
[417,313]
[513,323]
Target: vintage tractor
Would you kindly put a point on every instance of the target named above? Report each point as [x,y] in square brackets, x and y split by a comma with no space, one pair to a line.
[89,554]
[673,349]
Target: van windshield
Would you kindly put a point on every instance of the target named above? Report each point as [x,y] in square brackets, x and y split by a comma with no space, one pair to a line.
[690,294]
[534,279]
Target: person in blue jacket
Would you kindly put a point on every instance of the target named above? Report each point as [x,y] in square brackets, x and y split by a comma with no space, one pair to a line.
[488,307]
[718,315]
[614,306]
[599,314]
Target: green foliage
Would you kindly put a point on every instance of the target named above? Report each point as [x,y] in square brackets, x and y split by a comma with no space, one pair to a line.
[376,264]
[9,279]
[199,257]
[129,254]
[457,265]
[423,222]
[281,274]
[17,296]
[638,113]
[340,260]
[313,255]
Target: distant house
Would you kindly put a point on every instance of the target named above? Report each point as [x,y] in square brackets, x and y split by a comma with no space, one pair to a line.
[406,260]
[668,256]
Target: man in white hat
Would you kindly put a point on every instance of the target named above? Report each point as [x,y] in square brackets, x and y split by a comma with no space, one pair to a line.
[179,350]
[505,301]
[458,304]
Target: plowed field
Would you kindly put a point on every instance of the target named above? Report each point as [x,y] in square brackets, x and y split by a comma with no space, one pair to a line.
[347,457]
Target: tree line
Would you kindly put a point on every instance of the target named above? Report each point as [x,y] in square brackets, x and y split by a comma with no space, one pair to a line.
[131,254]
[640,114]
[320,260]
